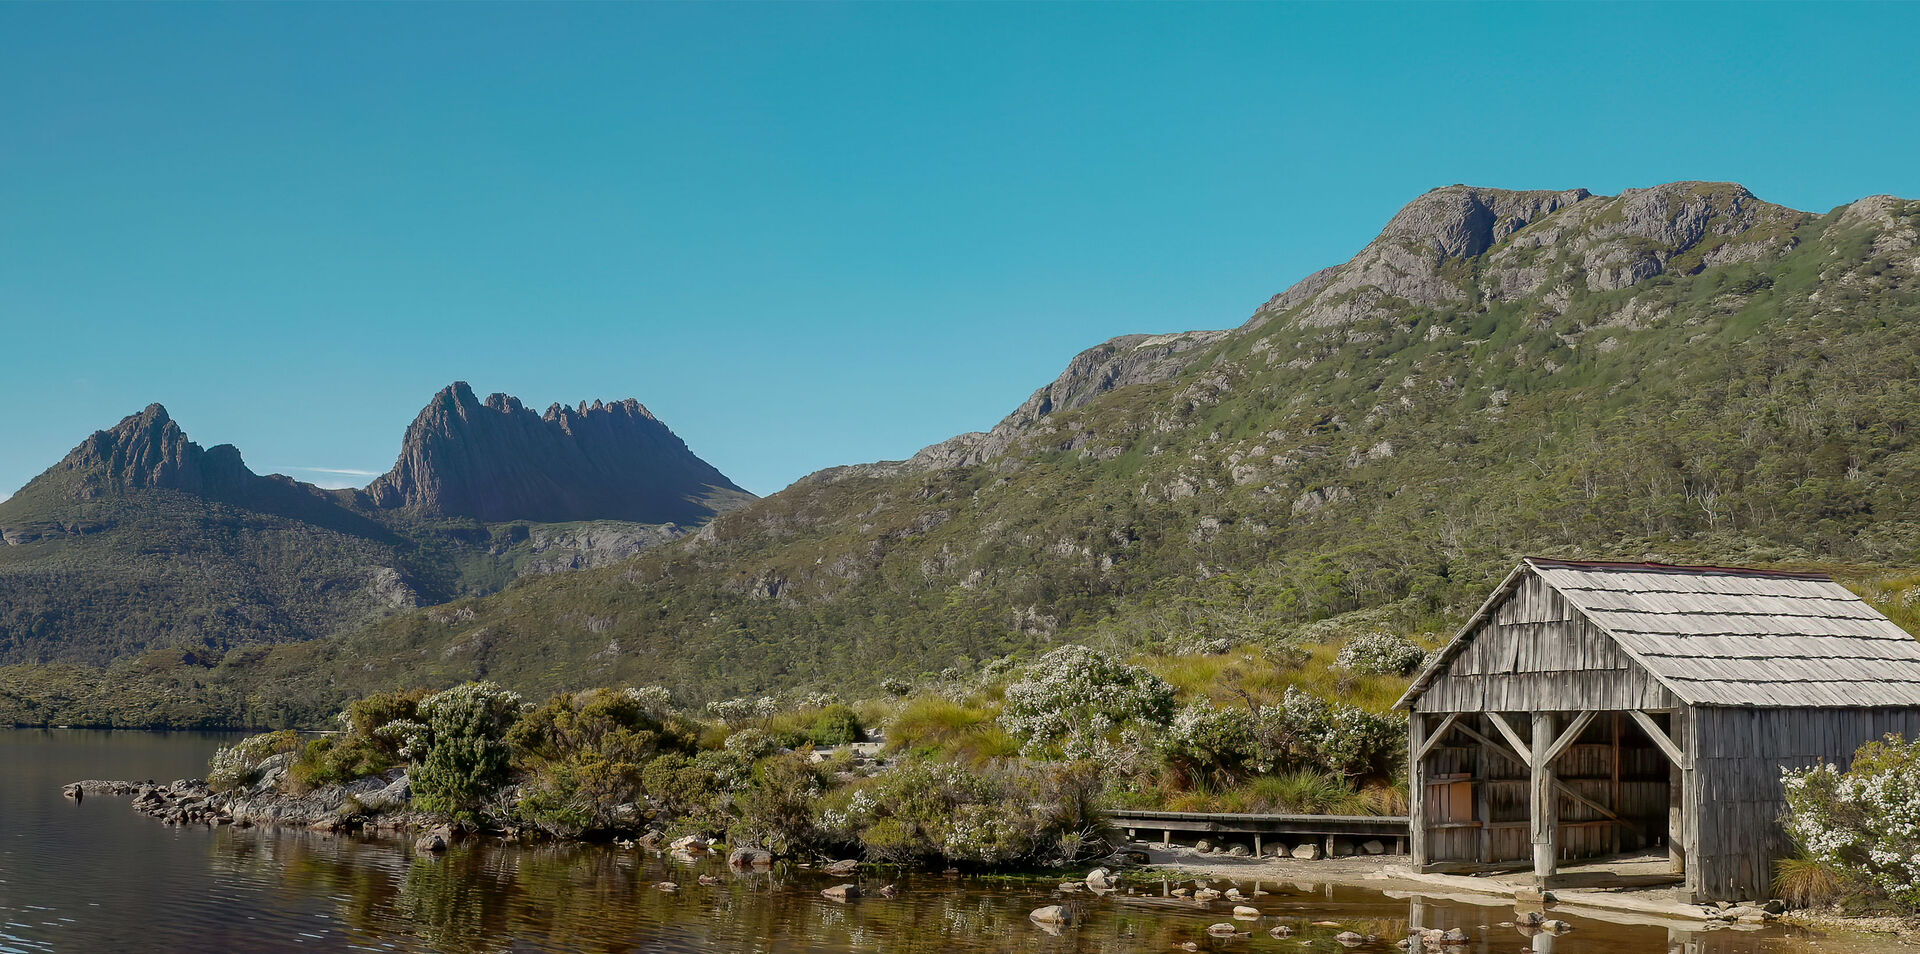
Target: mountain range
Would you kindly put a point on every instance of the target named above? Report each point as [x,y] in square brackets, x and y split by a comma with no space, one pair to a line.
[141,539]
[1679,373]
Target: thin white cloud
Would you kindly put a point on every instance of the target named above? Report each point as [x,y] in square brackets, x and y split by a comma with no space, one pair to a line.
[337,478]
[342,471]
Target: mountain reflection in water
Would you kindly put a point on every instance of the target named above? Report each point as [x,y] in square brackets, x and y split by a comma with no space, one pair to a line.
[95,877]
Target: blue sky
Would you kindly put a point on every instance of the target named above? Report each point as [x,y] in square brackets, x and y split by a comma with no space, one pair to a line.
[803,234]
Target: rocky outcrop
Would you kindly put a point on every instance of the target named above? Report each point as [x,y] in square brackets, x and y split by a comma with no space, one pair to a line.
[1459,244]
[373,804]
[149,451]
[497,460]
[582,546]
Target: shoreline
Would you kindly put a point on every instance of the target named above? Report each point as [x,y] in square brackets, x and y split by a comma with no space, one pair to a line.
[1390,875]
[372,805]
[375,807]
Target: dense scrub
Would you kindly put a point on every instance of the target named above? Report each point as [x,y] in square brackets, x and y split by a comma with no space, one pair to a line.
[1008,768]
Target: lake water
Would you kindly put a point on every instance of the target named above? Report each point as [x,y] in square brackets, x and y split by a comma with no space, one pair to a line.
[96,877]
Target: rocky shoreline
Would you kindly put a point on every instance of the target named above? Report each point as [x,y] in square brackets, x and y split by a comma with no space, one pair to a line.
[375,805]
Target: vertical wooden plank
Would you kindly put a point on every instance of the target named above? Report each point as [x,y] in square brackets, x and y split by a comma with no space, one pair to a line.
[1482,799]
[1684,839]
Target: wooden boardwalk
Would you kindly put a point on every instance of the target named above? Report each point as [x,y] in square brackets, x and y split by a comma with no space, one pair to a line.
[1259,830]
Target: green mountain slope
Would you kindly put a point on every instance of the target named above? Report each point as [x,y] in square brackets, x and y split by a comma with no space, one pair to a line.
[1679,373]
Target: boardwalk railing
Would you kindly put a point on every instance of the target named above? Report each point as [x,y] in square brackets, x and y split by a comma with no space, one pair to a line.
[1390,830]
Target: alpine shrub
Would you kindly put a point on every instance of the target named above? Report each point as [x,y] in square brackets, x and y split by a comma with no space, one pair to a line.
[1380,654]
[459,747]
[1077,699]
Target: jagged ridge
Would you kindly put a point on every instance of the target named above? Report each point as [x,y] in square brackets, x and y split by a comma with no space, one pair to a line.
[497,460]
[140,538]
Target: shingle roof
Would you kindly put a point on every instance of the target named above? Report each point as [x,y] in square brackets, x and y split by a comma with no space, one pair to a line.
[1723,636]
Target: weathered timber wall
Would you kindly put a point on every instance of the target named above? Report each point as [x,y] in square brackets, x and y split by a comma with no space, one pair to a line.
[1738,804]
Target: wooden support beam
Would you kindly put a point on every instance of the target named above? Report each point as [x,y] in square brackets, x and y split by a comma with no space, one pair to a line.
[1558,785]
[1683,801]
[1437,735]
[1659,737]
[1572,735]
[1613,790]
[1483,803]
[1604,811]
[1417,788]
[1492,746]
[1676,820]
[1513,738]
[1544,814]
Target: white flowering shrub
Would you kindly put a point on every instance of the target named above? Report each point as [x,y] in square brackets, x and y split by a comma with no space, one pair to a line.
[742,711]
[236,766]
[940,812]
[1078,700]
[655,701]
[818,700]
[1306,729]
[1215,746]
[1198,646]
[752,744]
[1380,654]
[1864,822]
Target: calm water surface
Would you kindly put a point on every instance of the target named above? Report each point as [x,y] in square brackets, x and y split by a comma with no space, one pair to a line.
[95,877]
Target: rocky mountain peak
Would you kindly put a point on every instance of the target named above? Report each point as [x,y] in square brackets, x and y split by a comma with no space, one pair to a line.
[1463,221]
[497,460]
[1551,244]
[149,451]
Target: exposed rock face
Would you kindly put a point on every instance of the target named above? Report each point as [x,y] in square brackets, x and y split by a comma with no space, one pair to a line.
[580,546]
[1528,242]
[497,461]
[149,451]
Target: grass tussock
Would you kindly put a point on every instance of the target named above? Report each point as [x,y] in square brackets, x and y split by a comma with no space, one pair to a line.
[1299,791]
[957,730]
[1263,676]
[1804,882]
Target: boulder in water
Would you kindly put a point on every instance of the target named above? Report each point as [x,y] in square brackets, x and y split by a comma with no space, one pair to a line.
[1052,914]
[749,858]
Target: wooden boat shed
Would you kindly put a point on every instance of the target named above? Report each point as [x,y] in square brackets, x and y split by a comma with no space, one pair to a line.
[1592,709]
